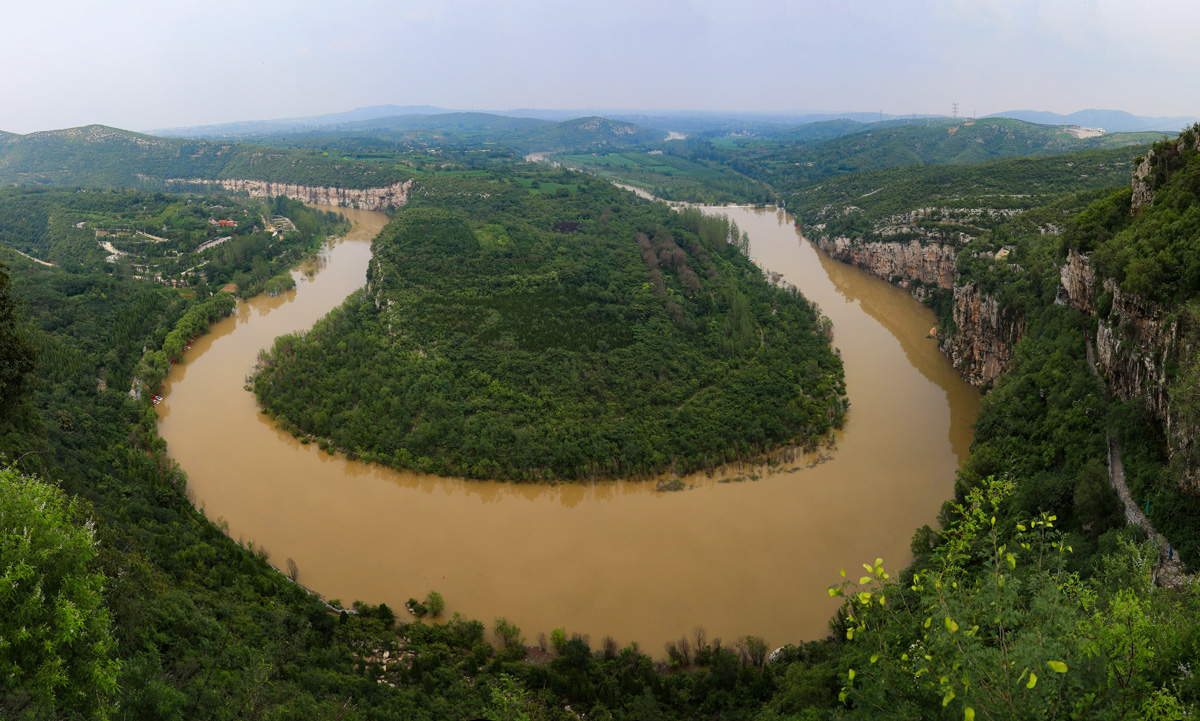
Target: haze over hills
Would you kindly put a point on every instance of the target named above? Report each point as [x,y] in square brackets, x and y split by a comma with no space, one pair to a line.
[243,128]
[1113,121]
[682,121]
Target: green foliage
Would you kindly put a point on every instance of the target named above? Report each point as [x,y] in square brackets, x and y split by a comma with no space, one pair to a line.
[56,641]
[513,335]
[558,640]
[17,356]
[1184,392]
[992,627]
[435,603]
[510,638]
[1155,252]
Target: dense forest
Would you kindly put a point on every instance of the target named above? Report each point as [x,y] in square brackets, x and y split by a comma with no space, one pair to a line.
[1031,599]
[515,333]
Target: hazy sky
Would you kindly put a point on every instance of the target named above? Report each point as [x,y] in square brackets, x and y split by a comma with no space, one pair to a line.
[138,64]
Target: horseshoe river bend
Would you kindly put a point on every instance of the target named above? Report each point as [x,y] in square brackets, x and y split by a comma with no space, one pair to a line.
[613,558]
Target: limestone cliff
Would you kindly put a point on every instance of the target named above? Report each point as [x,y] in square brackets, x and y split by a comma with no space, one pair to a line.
[1158,165]
[900,263]
[388,196]
[1133,345]
[981,345]
[1079,280]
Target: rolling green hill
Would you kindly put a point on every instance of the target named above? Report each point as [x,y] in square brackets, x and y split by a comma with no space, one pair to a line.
[97,155]
[417,132]
[936,142]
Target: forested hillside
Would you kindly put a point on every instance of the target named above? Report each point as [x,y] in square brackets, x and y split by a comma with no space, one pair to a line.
[943,201]
[582,333]
[97,155]
[936,142]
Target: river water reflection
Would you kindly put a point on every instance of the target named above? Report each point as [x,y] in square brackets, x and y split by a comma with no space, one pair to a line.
[619,558]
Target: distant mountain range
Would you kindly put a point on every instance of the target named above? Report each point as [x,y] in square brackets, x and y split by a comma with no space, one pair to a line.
[413,117]
[243,128]
[1113,121]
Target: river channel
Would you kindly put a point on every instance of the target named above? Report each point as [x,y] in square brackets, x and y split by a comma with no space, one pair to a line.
[615,558]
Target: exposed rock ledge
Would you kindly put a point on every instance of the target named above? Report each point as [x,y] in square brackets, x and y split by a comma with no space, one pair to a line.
[1133,344]
[984,334]
[981,346]
[388,196]
[933,264]
[1079,280]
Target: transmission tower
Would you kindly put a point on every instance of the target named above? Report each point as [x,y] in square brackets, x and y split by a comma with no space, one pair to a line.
[955,111]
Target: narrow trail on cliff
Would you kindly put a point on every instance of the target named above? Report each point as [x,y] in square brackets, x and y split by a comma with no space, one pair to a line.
[1170,571]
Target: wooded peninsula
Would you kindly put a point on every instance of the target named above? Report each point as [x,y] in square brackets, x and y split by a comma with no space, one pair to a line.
[510,333]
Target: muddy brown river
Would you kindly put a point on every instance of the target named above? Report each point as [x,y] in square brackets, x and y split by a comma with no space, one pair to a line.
[619,558]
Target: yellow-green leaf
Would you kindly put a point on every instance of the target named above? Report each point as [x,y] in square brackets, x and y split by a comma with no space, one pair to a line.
[849,634]
[843,573]
[1020,527]
[968,714]
[874,658]
[951,626]
[1032,680]
[947,698]
[864,580]
[1012,560]
[850,673]
[1057,666]
[927,621]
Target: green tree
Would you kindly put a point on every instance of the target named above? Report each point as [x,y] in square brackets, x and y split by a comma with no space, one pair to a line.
[435,603]
[18,359]
[989,628]
[56,643]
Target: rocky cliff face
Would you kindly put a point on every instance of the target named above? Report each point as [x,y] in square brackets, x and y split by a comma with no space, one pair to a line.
[982,344]
[1079,280]
[1158,165]
[1143,194]
[389,196]
[1133,345]
[901,263]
